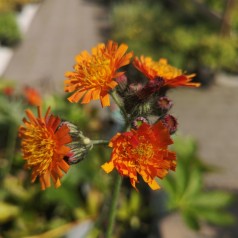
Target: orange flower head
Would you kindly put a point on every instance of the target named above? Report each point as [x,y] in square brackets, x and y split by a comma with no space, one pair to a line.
[172,76]
[32,96]
[143,151]
[8,91]
[43,144]
[94,75]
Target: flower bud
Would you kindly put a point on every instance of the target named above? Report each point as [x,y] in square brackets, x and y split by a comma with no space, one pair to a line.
[79,147]
[150,88]
[170,122]
[138,122]
[122,82]
[164,103]
[135,87]
[77,153]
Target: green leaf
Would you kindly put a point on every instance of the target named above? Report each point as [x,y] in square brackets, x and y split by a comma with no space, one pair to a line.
[8,212]
[195,183]
[123,212]
[213,199]
[191,220]
[182,178]
[64,195]
[134,202]
[217,217]
[185,147]
[169,185]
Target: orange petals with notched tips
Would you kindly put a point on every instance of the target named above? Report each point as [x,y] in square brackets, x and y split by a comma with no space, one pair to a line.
[143,151]
[172,76]
[43,144]
[93,75]
[32,96]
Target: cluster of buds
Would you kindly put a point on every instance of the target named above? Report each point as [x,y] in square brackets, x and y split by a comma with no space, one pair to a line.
[146,101]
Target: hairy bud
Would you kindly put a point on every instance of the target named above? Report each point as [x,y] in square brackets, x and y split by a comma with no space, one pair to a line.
[79,147]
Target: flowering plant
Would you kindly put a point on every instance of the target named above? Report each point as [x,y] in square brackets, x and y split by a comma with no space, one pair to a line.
[51,145]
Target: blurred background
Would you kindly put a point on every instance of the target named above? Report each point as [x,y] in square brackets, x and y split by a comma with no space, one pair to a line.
[38,42]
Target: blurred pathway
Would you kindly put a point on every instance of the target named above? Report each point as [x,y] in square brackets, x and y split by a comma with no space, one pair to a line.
[60,30]
[211,116]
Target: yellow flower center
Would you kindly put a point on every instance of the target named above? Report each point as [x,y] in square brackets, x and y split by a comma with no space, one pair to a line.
[143,151]
[165,70]
[39,147]
[96,72]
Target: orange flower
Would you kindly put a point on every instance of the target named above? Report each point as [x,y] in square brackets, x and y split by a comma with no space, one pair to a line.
[172,76]
[8,91]
[143,151]
[43,147]
[94,75]
[32,96]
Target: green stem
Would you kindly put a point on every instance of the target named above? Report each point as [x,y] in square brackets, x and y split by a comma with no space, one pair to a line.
[100,142]
[114,201]
[119,104]
[118,178]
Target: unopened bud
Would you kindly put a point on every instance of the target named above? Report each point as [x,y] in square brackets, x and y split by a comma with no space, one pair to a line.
[73,129]
[135,87]
[156,83]
[122,82]
[170,122]
[138,122]
[80,145]
[150,88]
[165,104]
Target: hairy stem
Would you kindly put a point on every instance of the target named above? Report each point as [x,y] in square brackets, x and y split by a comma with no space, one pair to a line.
[114,201]
[100,142]
[119,104]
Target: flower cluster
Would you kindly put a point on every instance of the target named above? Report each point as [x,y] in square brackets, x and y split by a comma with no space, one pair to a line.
[50,145]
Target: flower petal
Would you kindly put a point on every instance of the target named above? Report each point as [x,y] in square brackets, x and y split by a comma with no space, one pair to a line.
[108,167]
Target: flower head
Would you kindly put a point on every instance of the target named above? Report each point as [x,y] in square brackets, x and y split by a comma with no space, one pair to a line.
[94,75]
[172,76]
[32,96]
[43,144]
[8,91]
[143,151]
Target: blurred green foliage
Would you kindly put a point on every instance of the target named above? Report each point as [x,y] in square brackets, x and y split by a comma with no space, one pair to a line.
[9,31]
[14,5]
[187,193]
[188,33]
[24,209]
[10,34]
